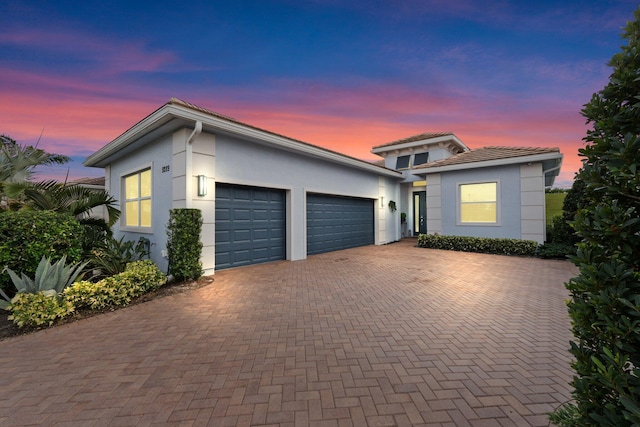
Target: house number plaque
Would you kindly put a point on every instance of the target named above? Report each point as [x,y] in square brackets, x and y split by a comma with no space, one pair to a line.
[166,168]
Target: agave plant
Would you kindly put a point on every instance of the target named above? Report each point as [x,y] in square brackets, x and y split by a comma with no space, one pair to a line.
[50,279]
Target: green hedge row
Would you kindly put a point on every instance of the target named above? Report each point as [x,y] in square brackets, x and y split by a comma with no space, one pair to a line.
[27,236]
[479,244]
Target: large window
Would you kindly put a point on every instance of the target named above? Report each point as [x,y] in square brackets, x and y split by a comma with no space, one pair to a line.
[479,203]
[420,158]
[137,189]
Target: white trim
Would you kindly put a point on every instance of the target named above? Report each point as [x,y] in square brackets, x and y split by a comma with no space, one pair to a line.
[169,112]
[123,197]
[459,222]
[422,142]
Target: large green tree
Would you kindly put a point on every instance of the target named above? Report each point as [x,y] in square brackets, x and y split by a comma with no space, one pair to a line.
[605,296]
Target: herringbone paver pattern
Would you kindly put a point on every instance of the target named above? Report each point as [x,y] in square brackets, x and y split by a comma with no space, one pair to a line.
[375,336]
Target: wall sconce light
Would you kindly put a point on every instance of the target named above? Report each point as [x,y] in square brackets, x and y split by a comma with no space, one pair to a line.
[202,185]
[382,201]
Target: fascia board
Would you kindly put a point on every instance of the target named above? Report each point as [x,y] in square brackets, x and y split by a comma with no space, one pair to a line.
[146,125]
[489,163]
[413,144]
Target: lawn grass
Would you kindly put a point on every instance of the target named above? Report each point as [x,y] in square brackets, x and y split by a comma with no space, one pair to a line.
[554,203]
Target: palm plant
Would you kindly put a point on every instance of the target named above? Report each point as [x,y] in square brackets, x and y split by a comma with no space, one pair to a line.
[72,199]
[17,164]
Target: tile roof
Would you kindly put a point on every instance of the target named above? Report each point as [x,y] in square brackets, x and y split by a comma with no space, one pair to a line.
[487,154]
[100,181]
[419,137]
[179,102]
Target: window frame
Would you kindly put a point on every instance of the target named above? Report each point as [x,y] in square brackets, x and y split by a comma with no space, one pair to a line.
[408,156]
[125,200]
[459,204]
[413,163]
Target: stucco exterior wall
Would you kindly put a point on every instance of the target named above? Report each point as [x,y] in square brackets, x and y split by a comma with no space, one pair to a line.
[509,203]
[175,165]
[156,156]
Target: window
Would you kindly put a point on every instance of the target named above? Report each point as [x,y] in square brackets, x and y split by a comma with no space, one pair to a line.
[478,203]
[402,162]
[137,190]
[420,159]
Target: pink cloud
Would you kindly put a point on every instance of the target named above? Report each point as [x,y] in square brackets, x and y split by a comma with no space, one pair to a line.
[112,55]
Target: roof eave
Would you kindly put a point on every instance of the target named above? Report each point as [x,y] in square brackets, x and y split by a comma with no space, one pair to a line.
[429,141]
[169,112]
[489,163]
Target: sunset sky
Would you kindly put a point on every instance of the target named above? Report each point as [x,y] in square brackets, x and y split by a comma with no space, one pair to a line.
[345,75]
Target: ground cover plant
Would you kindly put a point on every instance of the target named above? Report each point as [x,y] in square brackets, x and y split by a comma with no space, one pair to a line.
[605,296]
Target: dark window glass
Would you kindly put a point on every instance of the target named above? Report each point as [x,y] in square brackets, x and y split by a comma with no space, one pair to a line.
[420,159]
[402,162]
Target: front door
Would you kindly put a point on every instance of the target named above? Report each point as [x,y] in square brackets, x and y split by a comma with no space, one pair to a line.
[419,212]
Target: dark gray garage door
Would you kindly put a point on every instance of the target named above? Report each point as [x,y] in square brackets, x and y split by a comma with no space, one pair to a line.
[335,223]
[250,225]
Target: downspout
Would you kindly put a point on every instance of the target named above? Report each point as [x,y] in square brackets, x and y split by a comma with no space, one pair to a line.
[197,130]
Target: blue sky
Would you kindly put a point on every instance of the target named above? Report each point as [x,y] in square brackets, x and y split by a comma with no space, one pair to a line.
[346,75]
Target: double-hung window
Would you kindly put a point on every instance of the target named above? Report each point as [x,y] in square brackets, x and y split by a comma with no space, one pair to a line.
[478,203]
[137,189]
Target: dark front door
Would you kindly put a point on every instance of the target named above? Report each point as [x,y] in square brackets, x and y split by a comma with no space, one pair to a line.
[419,212]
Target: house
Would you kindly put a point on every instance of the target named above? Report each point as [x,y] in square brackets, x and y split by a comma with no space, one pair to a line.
[266,197]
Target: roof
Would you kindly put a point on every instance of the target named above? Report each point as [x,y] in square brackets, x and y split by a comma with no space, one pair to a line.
[419,137]
[485,154]
[551,160]
[447,139]
[177,114]
[100,181]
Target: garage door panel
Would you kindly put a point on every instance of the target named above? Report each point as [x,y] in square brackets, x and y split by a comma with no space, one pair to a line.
[335,222]
[250,225]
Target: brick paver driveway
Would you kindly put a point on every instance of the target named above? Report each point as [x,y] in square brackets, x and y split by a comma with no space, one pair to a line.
[374,336]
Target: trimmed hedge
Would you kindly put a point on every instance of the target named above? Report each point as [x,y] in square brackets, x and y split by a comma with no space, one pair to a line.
[27,236]
[184,246]
[479,244]
[139,278]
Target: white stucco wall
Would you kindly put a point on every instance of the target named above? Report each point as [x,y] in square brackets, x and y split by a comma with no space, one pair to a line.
[156,156]
[509,209]
[228,159]
[532,203]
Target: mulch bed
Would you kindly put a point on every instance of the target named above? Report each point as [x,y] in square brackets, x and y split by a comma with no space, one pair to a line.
[8,329]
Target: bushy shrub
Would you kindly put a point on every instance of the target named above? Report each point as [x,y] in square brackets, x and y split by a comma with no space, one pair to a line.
[36,310]
[112,255]
[138,278]
[184,246]
[605,296]
[479,244]
[556,251]
[27,236]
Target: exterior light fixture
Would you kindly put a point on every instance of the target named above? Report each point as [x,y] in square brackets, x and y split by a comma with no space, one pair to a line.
[202,185]
[382,201]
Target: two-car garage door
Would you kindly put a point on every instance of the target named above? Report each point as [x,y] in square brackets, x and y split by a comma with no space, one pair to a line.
[251,224]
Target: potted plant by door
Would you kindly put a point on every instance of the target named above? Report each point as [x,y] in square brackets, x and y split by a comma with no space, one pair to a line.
[403,221]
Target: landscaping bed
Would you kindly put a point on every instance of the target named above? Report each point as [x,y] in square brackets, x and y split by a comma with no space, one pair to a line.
[9,329]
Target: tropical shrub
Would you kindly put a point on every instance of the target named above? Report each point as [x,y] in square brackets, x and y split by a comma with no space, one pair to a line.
[184,246]
[605,296]
[112,255]
[478,244]
[26,236]
[139,278]
[50,279]
[39,309]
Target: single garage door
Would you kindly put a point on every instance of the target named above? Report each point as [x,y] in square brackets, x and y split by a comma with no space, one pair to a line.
[335,222]
[250,225]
